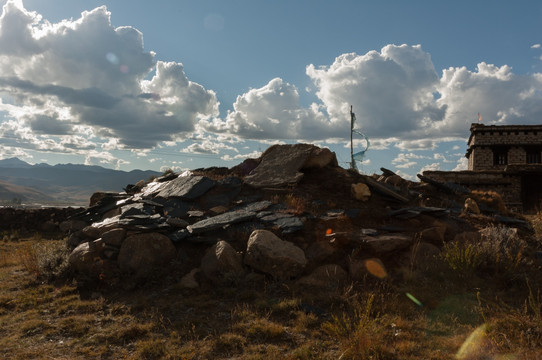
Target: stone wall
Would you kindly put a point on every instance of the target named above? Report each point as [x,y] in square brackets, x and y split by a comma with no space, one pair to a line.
[34,220]
[481,159]
[516,155]
[506,185]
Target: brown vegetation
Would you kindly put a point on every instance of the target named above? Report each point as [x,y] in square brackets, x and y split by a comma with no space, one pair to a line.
[478,300]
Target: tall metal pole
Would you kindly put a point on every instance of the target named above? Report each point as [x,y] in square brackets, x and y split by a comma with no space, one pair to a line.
[352,120]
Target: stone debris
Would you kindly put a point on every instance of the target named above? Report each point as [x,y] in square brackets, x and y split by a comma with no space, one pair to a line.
[297,215]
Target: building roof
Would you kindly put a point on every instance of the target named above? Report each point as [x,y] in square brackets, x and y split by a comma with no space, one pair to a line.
[478,127]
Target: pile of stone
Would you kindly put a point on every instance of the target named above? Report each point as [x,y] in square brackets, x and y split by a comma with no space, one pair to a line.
[239,224]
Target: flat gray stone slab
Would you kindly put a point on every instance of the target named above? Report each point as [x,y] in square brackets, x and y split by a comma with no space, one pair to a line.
[257,206]
[280,166]
[186,187]
[136,209]
[221,220]
[149,190]
[289,225]
[272,216]
[388,243]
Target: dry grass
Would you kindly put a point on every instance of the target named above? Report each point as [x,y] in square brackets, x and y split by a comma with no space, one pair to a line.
[470,316]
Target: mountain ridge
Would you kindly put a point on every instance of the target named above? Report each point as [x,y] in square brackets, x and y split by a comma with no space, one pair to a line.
[61,184]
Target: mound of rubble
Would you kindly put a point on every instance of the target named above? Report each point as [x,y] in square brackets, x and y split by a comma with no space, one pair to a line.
[292,214]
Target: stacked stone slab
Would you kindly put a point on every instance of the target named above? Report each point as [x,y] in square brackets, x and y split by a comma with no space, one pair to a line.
[236,232]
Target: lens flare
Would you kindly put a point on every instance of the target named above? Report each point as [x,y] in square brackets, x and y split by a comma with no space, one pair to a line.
[474,345]
[414,300]
[112,58]
[376,268]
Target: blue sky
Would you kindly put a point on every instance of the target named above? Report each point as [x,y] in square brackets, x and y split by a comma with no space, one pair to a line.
[188,84]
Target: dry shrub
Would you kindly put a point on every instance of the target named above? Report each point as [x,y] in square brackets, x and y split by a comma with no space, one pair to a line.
[502,248]
[45,259]
[491,199]
[28,257]
[500,251]
[463,259]
[536,222]
[296,204]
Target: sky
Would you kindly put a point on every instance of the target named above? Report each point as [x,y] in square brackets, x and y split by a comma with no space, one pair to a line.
[190,84]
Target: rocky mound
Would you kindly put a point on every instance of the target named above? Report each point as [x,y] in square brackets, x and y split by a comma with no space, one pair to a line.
[291,214]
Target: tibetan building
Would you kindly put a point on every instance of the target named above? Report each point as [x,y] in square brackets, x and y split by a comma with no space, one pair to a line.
[505,159]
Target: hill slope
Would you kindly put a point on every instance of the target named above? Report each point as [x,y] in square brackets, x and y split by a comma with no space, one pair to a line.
[63,184]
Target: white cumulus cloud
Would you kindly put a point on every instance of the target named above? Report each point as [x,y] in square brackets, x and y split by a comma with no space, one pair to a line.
[391,90]
[85,72]
[397,96]
[272,112]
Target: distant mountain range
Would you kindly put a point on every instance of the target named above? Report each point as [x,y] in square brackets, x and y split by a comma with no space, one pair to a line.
[63,184]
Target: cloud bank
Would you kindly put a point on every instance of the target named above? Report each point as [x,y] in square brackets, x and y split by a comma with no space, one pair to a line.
[87,76]
[397,95]
[85,86]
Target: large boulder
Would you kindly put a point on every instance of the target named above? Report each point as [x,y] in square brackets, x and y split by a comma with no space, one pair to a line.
[220,262]
[422,256]
[271,255]
[142,254]
[85,259]
[114,237]
[319,158]
[280,164]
